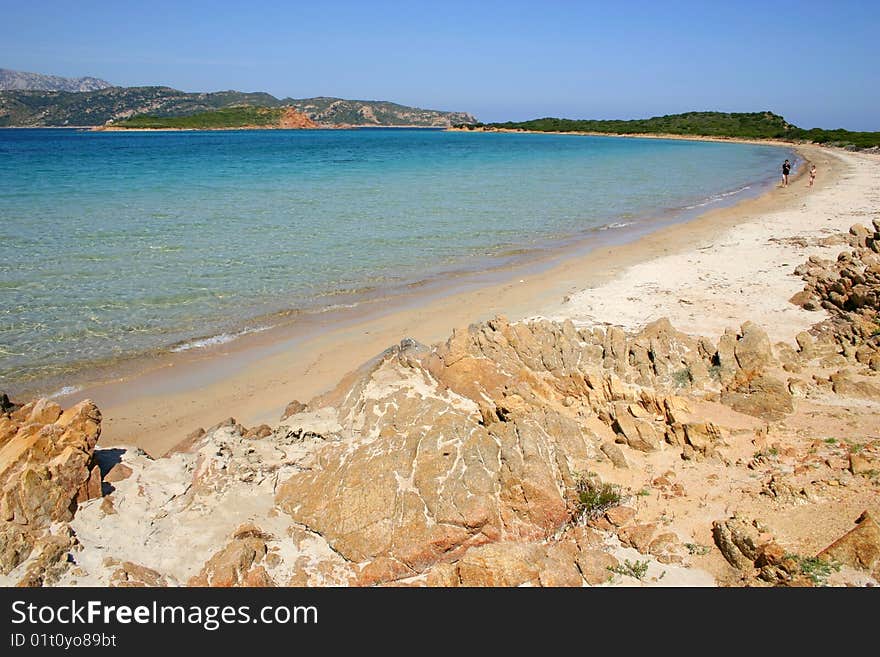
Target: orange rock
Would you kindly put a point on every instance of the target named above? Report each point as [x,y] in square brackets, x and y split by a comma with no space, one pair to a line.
[859,548]
[118,472]
[620,515]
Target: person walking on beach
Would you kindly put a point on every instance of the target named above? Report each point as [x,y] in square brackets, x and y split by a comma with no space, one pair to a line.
[786,169]
[812,175]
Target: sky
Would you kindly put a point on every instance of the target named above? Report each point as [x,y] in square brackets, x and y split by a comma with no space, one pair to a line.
[816,63]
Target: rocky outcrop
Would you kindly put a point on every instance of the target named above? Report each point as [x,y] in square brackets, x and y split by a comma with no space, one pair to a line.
[47,469]
[291,119]
[848,288]
[237,564]
[432,452]
[859,548]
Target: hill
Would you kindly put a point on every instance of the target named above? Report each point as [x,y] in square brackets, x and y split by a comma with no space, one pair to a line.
[222,119]
[95,108]
[743,125]
[21,80]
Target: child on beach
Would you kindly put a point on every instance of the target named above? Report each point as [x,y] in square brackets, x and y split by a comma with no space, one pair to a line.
[812,175]
[786,169]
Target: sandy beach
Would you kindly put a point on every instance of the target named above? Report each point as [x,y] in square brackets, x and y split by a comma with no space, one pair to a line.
[713,272]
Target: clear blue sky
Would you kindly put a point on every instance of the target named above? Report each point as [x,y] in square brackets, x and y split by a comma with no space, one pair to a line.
[817,63]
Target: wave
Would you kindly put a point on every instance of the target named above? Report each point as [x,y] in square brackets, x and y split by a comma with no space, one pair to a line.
[221,338]
[717,197]
[63,392]
[616,224]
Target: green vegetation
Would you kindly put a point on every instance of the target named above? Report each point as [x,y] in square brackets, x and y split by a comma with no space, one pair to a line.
[831,441]
[682,378]
[228,117]
[764,454]
[818,570]
[638,569]
[697,549]
[592,499]
[743,125]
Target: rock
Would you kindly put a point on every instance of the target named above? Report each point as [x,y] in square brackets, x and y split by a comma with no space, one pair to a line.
[770,554]
[861,235]
[91,489]
[843,384]
[762,396]
[236,565]
[293,408]
[380,497]
[615,455]
[752,350]
[806,344]
[667,548]
[595,565]
[638,434]
[861,464]
[261,431]
[501,564]
[46,470]
[560,566]
[291,118]
[702,436]
[49,560]
[859,548]
[802,298]
[130,574]
[638,536]
[189,444]
[620,515]
[739,542]
[119,472]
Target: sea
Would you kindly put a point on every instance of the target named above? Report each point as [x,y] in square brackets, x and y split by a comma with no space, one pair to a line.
[119,245]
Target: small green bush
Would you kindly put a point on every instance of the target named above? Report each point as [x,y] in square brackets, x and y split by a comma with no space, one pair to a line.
[592,499]
[637,569]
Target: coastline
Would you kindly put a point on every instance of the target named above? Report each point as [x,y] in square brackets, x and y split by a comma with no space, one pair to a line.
[340,126]
[254,377]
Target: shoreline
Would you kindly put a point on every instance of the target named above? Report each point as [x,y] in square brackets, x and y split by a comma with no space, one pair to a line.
[103,128]
[478,270]
[488,267]
[253,378]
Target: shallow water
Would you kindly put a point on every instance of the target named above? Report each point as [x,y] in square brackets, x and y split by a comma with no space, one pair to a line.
[113,245]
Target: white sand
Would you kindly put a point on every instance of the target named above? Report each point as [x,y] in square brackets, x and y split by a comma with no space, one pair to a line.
[742,273]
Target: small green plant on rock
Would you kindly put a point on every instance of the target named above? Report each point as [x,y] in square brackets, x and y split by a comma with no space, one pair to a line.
[682,378]
[593,498]
[816,568]
[637,569]
[697,549]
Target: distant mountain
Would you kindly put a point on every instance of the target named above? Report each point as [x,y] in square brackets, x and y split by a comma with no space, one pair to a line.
[94,108]
[22,81]
[337,111]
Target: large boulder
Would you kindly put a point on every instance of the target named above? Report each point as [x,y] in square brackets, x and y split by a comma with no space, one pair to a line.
[47,468]
[859,547]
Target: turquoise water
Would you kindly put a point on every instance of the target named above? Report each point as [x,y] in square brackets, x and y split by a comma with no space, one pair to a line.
[113,245]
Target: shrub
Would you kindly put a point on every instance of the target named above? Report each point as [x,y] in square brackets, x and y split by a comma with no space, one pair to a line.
[592,499]
[636,569]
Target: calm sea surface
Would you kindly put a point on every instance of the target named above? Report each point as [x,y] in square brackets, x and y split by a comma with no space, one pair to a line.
[113,245]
